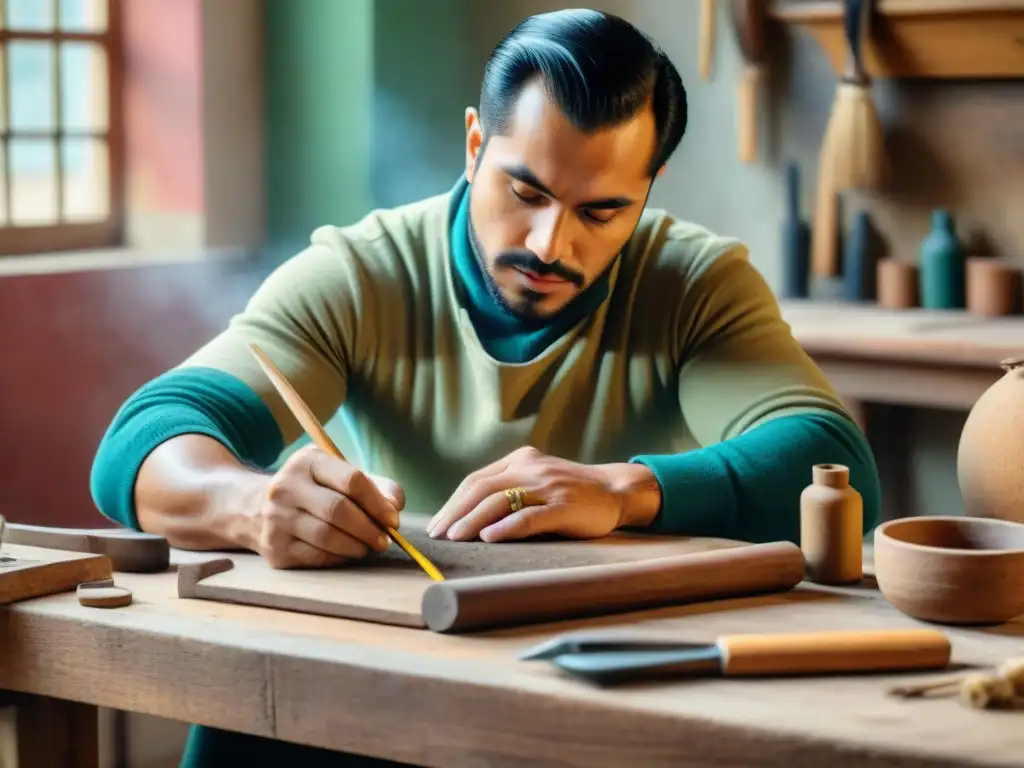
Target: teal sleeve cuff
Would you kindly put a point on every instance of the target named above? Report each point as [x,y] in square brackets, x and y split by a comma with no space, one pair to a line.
[748,488]
[202,401]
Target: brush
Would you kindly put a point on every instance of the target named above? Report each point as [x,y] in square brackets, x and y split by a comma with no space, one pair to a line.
[853,151]
[309,422]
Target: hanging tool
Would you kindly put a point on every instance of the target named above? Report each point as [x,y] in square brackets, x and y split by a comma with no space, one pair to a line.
[610,660]
[309,422]
[706,49]
[748,21]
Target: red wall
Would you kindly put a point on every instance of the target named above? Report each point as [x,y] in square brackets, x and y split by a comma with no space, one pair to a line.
[75,345]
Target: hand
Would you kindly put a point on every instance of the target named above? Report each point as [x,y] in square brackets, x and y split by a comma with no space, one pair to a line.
[319,511]
[562,497]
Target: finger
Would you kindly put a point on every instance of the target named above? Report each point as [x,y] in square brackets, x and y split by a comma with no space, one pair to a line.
[473,497]
[527,522]
[489,511]
[471,480]
[392,491]
[309,528]
[350,481]
[340,512]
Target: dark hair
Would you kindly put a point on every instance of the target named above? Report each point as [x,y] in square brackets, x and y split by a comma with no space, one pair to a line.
[598,68]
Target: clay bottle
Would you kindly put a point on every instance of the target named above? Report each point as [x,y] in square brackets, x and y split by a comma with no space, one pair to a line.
[832,526]
[942,265]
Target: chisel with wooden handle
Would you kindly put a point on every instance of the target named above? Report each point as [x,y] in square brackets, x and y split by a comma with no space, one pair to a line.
[129,551]
[612,660]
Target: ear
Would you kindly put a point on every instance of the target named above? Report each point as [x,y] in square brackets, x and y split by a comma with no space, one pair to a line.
[661,170]
[474,141]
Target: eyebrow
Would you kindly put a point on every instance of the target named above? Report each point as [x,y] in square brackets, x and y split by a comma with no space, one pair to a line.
[525,175]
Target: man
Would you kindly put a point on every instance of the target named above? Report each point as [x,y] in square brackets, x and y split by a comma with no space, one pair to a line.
[535,328]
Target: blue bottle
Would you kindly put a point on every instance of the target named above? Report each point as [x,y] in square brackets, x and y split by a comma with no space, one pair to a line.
[942,265]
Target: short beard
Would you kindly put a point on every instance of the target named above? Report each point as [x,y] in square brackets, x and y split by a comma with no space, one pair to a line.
[527,310]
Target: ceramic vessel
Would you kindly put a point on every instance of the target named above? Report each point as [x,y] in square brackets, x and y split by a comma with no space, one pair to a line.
[796,241]
[993,288]
[832,527]
[952,570]
[859,262]
[942,265]
[990,455]
[896,284]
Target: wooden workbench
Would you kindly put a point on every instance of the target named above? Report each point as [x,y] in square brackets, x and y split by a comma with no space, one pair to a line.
[905,357]
[451,701]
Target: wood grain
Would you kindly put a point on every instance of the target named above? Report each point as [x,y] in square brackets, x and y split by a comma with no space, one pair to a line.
[390,588]
[27,572]
[466,701]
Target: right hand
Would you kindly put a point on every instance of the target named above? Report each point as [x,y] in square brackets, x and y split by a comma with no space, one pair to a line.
[318,511]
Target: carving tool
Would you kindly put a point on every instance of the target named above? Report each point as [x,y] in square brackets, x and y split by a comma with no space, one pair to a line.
[309,422]
[615,659]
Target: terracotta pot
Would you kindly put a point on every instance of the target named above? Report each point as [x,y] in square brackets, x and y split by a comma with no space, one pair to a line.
[896,284]
[993,289]
[952,570]
[990,455]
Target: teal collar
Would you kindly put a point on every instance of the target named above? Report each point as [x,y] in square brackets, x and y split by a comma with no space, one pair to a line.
[506,337]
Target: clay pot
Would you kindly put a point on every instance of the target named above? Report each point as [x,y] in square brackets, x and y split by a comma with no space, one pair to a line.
[896,284]
[990,455]
[832,526]
[952,570]
[993,289]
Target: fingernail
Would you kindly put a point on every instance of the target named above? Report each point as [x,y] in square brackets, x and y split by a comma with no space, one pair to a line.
[455,532]
[383,542]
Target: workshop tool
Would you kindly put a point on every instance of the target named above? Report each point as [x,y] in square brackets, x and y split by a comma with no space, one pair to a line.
[129,551]
[611,659]
[513,599]
[706,47]
[748,18]
[309,422]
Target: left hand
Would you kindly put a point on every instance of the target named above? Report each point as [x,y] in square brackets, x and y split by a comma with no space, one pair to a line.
[562,497]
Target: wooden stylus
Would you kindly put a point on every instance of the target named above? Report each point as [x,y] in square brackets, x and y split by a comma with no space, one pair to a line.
[313,428]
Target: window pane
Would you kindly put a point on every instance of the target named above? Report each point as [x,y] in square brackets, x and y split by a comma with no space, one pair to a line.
[83,92]
[3,100]
[33,182]
[86,180]
[3,186]
[83,15]
[31,76]
[29,15]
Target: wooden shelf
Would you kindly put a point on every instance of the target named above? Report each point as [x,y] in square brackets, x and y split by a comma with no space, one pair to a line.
[948,39]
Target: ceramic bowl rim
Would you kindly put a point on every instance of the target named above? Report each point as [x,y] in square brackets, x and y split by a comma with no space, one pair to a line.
[882,532]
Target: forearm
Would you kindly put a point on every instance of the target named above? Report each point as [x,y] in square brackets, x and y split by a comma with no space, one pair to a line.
[749,487]
[193,491]
[183,458]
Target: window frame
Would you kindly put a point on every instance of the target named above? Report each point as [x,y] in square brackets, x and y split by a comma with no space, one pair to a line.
[18,240]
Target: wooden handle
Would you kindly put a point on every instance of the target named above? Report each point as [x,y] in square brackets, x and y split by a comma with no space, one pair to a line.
[825,229]
[825,652]
[129,551]
[750,87]
[520,598]
[707,37]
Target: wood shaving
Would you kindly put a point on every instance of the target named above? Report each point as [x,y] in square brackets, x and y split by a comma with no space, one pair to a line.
[981,691]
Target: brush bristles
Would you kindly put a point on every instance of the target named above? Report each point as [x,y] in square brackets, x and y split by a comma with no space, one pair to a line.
[853,151]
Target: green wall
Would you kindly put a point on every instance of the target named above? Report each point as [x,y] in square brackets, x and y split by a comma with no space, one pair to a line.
[318,92]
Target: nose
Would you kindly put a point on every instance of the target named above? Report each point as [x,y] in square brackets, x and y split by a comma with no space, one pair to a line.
[550,235]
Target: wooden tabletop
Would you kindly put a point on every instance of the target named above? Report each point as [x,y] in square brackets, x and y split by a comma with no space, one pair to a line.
[943,338]
[451,701]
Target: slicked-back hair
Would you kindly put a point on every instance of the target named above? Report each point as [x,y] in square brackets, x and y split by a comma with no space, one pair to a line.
[599,69]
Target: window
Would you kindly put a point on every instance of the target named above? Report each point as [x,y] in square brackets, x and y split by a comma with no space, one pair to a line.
[60,131]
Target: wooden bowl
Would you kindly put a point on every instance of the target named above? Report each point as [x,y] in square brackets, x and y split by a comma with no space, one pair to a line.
[952,570]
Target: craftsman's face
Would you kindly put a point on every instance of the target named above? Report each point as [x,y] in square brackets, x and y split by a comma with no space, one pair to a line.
[550,206]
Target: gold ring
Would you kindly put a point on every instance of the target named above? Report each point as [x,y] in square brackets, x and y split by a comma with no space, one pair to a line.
[516,498]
